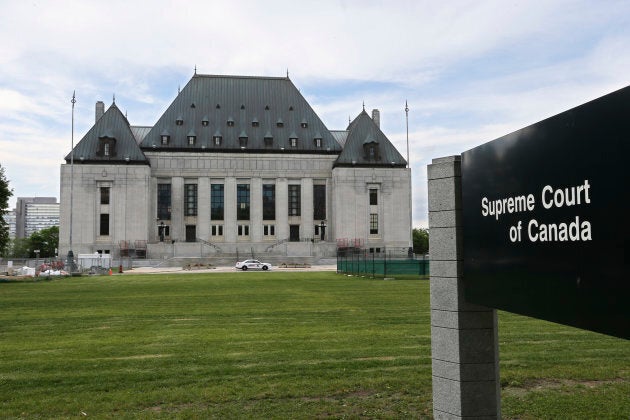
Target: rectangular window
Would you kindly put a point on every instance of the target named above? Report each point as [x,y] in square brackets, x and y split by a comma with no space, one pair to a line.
[294,200]
[190,199]
[164,201]
[217,230]
[243,230]
[106,149]
[242,202]
[319,202]
[104,195]
[216,202]
[104,226]
[373,197]
[373,224]
[269,201]
[269,230]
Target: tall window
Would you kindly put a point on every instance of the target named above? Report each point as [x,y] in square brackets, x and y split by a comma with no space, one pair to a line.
[373,224]
[319,202]
[104,226]
[373,197]
[216,202]
[242,202]
[190,199]
[104,195]
[164,201]
[294,200]
[269,201]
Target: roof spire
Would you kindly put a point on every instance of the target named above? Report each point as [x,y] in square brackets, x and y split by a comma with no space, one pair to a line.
[195,69]
[114,98]
[287,72]
[178,89]
[363,106]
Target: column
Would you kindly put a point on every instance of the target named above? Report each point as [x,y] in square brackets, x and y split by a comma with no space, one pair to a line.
[229,209]
[256,210]
[177,209]
[203,208]
[464,339]
[308,230]
[282,209]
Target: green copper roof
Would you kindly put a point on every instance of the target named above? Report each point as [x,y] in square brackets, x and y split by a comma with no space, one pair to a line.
[112,128]
[366,145]
[256,114]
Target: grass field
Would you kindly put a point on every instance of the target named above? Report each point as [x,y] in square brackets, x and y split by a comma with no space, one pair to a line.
[271,345]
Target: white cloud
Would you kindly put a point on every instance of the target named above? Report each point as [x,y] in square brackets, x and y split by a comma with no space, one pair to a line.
[471,70]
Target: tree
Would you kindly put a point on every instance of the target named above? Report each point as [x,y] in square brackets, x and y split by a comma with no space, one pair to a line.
[46,240]
[19,248]
[420,241]
[5,194]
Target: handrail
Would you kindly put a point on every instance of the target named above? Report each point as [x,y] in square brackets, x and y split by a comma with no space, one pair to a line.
[203,241]
[280,242]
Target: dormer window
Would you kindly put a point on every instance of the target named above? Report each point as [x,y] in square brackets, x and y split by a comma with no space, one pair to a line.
[279,123]
[205,122]
[191,139]
[268,139]
[242,139]
[304,124]
[230,122]
[217,140]
[293,141]
[165,139]
[179,121]
[106,147]
[255,122]
[371,150]
[318,142]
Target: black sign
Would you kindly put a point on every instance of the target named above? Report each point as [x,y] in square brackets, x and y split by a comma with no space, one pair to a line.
[546,218]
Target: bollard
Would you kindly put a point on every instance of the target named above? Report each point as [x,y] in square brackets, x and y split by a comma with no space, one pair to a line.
[120,270]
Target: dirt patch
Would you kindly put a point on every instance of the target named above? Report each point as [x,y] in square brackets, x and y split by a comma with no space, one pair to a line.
[555,384]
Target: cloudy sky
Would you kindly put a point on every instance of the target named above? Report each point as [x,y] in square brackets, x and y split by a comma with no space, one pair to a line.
[471,71]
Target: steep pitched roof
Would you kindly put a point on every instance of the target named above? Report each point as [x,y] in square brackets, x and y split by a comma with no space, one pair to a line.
[254,114]
[114,128]
[367,146]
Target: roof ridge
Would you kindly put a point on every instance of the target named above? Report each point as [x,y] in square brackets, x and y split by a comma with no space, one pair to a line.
[236,76]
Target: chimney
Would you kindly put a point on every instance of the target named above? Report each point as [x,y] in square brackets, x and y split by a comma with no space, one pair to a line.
[376,117]
[100,110]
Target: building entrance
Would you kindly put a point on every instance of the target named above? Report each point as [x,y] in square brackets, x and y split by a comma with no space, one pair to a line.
[191,233]
[294,233]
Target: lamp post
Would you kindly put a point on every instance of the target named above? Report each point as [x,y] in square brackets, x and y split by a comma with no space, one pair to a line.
[322,229]
[70,258]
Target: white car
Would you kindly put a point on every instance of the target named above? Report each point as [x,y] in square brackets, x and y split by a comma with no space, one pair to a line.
[253,264]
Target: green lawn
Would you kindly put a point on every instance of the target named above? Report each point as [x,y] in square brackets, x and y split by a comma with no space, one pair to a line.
[271,345]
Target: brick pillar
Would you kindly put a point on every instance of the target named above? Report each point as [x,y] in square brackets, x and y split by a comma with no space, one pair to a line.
[464,339]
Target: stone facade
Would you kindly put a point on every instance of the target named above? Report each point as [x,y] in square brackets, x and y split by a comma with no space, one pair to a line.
[122,172]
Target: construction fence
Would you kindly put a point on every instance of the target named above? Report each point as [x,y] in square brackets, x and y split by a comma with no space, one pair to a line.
[381,262]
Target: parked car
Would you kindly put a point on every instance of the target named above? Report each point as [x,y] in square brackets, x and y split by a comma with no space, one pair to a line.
[252,264]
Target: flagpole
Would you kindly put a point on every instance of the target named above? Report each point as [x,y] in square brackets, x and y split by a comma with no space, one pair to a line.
[70,259]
